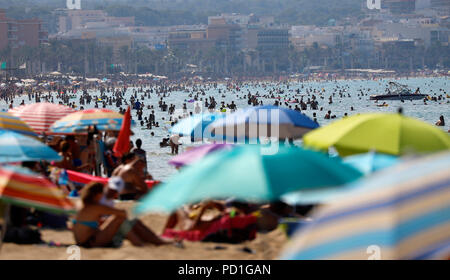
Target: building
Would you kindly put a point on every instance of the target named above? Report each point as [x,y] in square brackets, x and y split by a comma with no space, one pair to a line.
[226,36]
[306,35]
[440,4]
[116,43]
[250,37]
[5,30]
[440,35]
[273,39]
[443,6]
[81,19]
[190,38]
[238,19]
[399,6]
[421,31]
[153,37]
[21,33]
[30,33]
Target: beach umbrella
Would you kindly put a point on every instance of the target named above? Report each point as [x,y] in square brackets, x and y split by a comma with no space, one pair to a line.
[387,133]
[122,145]
[195,154]
[402,213]
[371,162]
[40,116]
[12,123]
[15,147]
[79,122]
[365,163]
[248,172]
[22,187]
[195,126]
[264,121]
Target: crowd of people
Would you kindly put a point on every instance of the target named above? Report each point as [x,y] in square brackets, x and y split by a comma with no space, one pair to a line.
[98,222]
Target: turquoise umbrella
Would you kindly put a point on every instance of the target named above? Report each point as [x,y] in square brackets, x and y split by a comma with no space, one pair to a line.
[247,173]
[365,163]
[371,162]
[15,147]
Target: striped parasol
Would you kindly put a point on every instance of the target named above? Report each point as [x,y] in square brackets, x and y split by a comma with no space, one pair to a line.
[22,187]
[403,213]
[79,122]
[10,122]
[40,116]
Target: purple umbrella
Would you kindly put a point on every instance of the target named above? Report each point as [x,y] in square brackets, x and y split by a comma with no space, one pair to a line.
[196,154]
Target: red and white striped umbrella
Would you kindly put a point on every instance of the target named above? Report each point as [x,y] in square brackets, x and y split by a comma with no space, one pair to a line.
[40,116]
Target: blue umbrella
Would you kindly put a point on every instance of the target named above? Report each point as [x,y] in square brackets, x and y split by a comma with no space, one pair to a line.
[264,121]
[15,147]
[196,126]
[371,162]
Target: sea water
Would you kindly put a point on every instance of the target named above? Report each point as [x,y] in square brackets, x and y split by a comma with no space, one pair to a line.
[158,157]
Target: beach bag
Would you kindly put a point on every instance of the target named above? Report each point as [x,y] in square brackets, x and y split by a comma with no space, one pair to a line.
[22,236]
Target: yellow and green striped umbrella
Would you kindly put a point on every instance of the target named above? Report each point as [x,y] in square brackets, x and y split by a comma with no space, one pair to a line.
[12,123]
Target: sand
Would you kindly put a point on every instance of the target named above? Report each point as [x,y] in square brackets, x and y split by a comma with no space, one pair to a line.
[265,246]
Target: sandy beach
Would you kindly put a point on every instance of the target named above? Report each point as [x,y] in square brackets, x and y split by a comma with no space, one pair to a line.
[265,246]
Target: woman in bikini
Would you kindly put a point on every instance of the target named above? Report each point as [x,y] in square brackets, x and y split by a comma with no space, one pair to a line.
[91,229]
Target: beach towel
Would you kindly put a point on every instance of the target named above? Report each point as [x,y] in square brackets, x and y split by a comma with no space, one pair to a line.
[226,230]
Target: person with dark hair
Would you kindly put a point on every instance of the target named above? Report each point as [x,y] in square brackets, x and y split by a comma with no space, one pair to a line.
[68,161]
[441,121]
[111,161]
[91,230]
[140,153]
[127,158]
[174,143]
[87,155]
[74,146]
[132,173]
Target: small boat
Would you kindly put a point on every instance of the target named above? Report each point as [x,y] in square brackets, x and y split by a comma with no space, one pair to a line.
[397,91]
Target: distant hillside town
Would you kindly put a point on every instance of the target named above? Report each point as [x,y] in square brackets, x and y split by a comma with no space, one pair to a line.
[403,35]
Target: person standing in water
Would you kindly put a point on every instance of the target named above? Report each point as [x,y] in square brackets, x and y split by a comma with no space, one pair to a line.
[441,121]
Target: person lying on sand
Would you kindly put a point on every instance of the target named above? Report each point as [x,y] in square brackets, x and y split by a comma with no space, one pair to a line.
[90,230]
[202,215]
[196,217]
